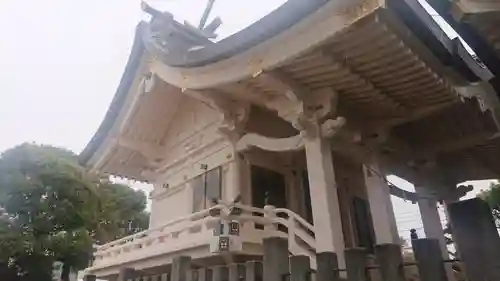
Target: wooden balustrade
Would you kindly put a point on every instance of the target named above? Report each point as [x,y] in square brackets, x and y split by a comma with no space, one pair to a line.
[300,233]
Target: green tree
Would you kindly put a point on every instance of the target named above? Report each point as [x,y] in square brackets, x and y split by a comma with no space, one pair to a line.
[54,210]
[492,197]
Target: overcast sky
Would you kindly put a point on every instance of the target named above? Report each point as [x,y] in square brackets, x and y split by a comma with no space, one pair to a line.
[61,62]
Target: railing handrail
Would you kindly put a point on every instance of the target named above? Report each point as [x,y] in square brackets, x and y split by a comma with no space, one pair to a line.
[298,228]
[192,216]
[297,217]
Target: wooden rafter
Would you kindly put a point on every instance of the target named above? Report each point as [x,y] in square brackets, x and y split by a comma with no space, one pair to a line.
[334,61]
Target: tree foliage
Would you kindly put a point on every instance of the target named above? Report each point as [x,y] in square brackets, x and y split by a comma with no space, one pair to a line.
[492,197]
[54,210]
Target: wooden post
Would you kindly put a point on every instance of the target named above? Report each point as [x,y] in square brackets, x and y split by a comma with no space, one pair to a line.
[379,197]
[476,238]
[126,274]
[390,261]
[180,267]
[433,228]
[324,197]
[89,278]
[275,258]
[253,271]
[300,268]
[355,261]
[220,273]
[327,267]
[429,260]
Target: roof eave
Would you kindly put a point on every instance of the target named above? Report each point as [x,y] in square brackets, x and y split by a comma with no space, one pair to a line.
[131,69]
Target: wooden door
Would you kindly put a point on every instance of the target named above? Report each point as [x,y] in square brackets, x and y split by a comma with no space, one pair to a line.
[268,188]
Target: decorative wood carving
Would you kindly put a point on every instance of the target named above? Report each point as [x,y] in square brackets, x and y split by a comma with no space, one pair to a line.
[270,144]
[233,114]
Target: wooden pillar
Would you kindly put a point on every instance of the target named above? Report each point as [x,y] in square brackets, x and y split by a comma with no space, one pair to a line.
[355,261]
[300,268]
[180,267]
[432,223]
[233,186]
[429,260]
[324,198]
[390,261]
[126,274]
[476,238]
[164,277]
[382,212]
[276,263]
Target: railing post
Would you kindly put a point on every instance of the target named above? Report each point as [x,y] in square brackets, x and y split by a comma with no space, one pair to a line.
[276,263]
[300,268]
[327,267]
[270,214]
[180,267]
[253,271]
[292,226]
[429,259]
[390,261]
[356,261]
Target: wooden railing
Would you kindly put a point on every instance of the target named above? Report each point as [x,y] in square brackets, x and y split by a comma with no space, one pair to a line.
[196,230]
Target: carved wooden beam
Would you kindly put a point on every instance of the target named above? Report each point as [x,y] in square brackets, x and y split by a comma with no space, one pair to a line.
[270,144]
[281,82]
[233,114]
[327,130]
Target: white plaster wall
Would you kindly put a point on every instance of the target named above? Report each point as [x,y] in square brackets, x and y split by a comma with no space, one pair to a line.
[191,142]
[171,205]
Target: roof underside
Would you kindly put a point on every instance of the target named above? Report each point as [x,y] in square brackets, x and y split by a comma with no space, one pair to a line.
[386,77]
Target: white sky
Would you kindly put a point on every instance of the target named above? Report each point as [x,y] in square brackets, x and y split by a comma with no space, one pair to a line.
[61,62]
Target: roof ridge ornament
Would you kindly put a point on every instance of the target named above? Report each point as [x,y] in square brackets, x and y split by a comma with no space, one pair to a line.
[163,36]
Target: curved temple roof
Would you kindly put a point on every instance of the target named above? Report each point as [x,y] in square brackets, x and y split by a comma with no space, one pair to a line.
[389,65]
[131,69]
[204,52]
